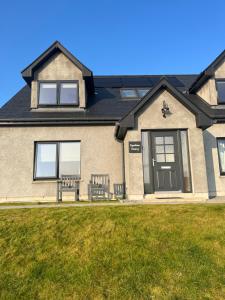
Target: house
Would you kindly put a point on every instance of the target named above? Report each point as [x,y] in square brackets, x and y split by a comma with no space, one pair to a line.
[161,136]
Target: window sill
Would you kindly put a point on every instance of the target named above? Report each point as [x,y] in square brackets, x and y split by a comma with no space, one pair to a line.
[45,181]
[48,180]
[57,109]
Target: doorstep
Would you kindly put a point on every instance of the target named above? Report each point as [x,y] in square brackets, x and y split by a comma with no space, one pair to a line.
[177,197]
[169,198]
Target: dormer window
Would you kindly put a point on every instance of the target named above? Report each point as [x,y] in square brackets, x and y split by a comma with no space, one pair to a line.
[59,93]
[220,85]
[48,94]
[69,93]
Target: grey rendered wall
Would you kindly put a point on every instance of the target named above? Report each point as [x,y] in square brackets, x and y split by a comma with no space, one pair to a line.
[100,153]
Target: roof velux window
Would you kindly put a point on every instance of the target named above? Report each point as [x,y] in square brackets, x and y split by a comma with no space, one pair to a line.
[128,93]
[58,93]
[142,92]
[133,93]
[220,84]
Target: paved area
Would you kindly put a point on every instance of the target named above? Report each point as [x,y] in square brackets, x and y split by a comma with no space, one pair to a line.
[64,205]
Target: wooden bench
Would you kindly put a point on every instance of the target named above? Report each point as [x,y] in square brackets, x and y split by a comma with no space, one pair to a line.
[119,191]
[98,188]
[68,183]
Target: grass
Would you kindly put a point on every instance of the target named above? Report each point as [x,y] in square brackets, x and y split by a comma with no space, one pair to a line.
[136,252]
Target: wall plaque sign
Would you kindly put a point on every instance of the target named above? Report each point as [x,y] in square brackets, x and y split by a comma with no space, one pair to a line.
[134,147]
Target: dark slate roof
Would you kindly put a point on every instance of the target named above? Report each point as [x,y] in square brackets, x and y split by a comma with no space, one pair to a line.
[182,82]
[104,106]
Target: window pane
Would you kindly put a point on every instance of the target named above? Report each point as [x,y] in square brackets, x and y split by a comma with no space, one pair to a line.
[46,160]
[185,161]
[69,162]
[159,149]
[47,93]
[142,92]
[221,149]
[169,140]
[221,90]
[160,157]
[170,158]
[128,93]
[169,148]
[68,93]
[159,140]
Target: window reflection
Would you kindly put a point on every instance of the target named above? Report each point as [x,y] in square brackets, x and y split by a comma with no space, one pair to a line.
[221,150]
[220,84]
[146,161]
[185,160]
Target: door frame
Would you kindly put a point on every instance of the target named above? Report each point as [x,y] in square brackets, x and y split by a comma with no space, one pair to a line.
[177,130]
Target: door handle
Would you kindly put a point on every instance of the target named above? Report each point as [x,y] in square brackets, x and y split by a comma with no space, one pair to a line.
[153,161]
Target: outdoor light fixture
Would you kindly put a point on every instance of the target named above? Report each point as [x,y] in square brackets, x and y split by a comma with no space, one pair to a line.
[165,109]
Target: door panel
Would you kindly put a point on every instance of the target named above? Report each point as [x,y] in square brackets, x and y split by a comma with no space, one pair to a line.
[166,161]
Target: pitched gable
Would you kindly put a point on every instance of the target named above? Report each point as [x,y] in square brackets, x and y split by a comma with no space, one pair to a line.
[129,121]
[55,49]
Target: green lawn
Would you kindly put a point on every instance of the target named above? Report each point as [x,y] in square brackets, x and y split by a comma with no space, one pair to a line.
[135,252]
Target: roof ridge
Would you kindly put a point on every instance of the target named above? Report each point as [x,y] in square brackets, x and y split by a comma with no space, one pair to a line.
[144,75]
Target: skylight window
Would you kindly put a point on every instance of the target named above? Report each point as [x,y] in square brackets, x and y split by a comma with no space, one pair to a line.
[128,93]
[142,92]
[134,93]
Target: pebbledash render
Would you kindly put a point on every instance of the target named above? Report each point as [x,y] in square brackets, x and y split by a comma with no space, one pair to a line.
[162,136]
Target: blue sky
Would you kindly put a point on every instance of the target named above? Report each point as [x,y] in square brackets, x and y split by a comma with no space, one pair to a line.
[111,36]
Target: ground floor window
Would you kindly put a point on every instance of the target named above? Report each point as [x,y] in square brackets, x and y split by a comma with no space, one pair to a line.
[221,152]
[53,159]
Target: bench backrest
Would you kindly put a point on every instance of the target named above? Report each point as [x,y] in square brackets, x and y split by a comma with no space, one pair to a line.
[100,179]
[69,180]
[119,189]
